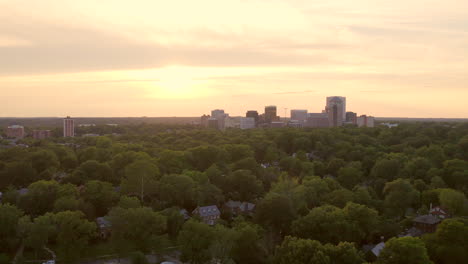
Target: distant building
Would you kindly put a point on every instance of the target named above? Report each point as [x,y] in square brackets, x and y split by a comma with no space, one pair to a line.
[351,118]
[271,114]
[439,212]
[238,208]
[219,115]
[295,123]
[68,127]
[342,100]
[247,122]
[254,115]
[426,223]
[365,121]
[41,134]
[277,124]
[208,214]
[104,226]
[336,109]
[204,120]
[231,122]
[390,125]
[299,115]
[213,123]
[317,120]
[15,131]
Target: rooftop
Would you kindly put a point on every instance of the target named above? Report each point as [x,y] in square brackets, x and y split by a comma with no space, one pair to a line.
[427,219]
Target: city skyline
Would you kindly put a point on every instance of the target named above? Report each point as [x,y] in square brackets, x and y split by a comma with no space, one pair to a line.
[180,58]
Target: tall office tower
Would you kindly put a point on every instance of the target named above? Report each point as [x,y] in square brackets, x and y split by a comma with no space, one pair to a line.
[351,118]
[213,123]
[365,121]
[254,115]
[217,113]
[335,111]
[15,131]
[343,100]
[204,120]
[299,115]
[247,122]
[41,134]
[270,114]
[68,127]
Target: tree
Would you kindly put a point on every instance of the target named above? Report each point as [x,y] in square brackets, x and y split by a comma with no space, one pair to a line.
[136,229]
[40,198]
[203,157]
[91,170]
[404,250]
[101,195]
[247,248]
[298,251]
[141,179]
[449,244]
[172,162]
[454,201]
[243,185]
[399,195]
[386,169]
[43,160]
[178,190]
[276,211]
[70,231]
[9,218]
[348,177]
[194,240]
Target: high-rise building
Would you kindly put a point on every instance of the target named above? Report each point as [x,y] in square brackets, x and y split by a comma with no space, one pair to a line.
[343,101]
[204,120]
[317,120]
[335,110]
[41,134]
[271,114]
[213,123]
[365,121]
[247,122]
[299,115]
[219,115]
[351,118]
[254,115]
[15,131]
[68,127]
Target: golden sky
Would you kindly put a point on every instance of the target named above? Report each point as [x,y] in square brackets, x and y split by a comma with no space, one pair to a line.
[183,58]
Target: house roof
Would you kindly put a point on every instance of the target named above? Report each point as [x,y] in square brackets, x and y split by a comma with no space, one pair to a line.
[103,222]
[204,211]
[247,207]
[427,219]
[233,204]
[378,248]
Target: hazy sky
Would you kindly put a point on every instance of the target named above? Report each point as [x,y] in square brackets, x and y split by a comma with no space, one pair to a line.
[184,58]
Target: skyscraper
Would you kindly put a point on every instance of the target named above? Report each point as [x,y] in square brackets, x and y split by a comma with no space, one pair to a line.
[219,115]
[351,118]
[343,100]
[365,121]
[247,122]
[335,110]
[254,115]
[68,127]
[271,114]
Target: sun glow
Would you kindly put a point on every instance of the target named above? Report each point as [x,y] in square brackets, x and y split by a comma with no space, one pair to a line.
[178,83]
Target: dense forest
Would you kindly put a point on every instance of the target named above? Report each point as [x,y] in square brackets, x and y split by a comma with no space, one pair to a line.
[319,195]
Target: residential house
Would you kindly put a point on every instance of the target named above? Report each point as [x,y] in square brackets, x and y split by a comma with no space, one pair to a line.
[426,223]
[104,226]
[439,212]
[238,208]
[208,214]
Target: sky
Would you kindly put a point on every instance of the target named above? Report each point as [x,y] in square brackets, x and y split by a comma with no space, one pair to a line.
[127,58]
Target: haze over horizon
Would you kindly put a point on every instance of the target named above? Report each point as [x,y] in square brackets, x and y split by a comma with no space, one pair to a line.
[183,58]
